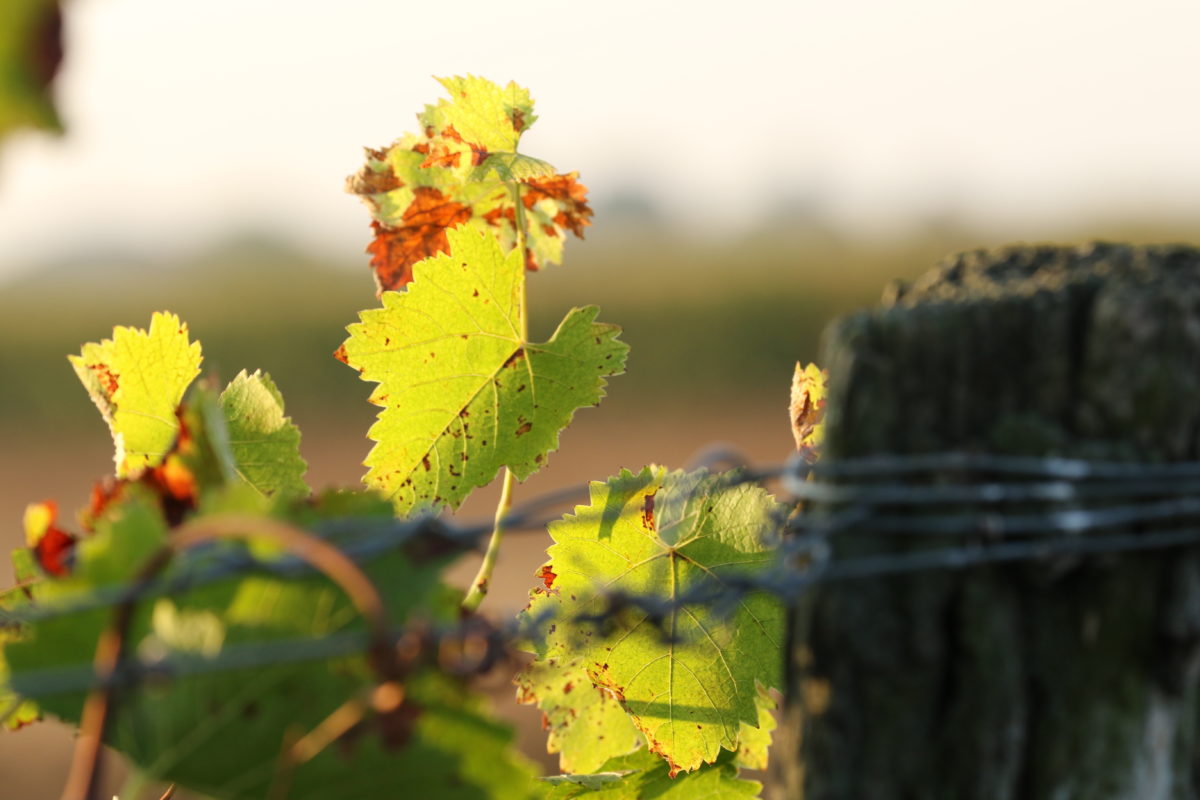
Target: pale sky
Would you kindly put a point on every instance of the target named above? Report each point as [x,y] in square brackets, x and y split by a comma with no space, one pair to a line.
[187,121]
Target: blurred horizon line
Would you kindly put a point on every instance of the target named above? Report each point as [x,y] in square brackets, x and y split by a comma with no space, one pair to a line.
[627,216]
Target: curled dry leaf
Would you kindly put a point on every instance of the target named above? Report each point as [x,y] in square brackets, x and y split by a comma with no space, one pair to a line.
[807,409]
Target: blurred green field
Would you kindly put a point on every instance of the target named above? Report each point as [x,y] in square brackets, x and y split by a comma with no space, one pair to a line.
[709,320]
[706,320]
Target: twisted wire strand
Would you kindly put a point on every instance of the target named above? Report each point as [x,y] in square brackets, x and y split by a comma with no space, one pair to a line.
[875,496]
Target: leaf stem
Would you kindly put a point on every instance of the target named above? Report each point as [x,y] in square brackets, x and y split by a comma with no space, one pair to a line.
[479,586]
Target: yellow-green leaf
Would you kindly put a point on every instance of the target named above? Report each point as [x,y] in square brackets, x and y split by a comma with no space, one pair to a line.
[463,393]
[264,442]
[585,725]
[807,409]
[688,679]
[137,379]
[483,113]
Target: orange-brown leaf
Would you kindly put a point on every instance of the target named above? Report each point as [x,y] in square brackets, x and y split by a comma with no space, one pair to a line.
[105,493]
[569,195]
[51,545]
[807,409]
[422,234]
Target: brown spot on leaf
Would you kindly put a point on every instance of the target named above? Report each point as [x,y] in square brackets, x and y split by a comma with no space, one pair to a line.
[648,512]
[567,687]
[524,429]
[547,574]
[515,357]
[518,119]
[106,377]
[425,463]
[496,216]
[440,154]
[374,179]
[340,355]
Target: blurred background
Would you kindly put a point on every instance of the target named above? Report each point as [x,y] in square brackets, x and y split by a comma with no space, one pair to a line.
[756,168]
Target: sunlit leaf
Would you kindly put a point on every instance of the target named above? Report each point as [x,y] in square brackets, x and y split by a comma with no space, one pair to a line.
[643,776]
[464,166]
[807,409]
[585,725]
[137,380]
[463,393]
[688,680]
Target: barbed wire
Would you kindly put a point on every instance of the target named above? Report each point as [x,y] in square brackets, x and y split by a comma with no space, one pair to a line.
[914,502]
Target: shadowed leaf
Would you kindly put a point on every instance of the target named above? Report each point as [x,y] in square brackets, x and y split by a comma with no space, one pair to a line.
[688,679]
[265,443]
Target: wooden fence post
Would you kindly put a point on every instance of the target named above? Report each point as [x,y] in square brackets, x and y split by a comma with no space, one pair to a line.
[1062,679]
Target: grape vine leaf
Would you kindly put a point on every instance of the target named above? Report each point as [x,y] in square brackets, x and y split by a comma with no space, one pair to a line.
[689,680]
[137,380]
[265,443]
[16,712]
[463,394]
[585,725]
[755,742]
[464,166]
[807,409]
[483,114]
[220,730]
[643,776]
[30,55]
